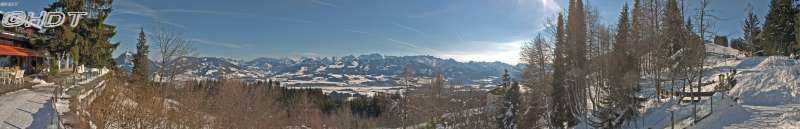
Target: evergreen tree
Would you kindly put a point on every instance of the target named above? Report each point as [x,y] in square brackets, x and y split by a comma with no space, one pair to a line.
[141,64]
[779,28]
[88,43]
[636,25]
[721,40]
[615,100]
[560,117]
[751,31]
[508,109]
[674,29]
[622,37]
[627,72]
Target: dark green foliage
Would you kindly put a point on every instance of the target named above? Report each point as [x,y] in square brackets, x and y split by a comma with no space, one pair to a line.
[739,44]
[721,40]
[88,43]
[141,64]
[778,35]
[751,31]
[507,113]
[674,31]
[557,117]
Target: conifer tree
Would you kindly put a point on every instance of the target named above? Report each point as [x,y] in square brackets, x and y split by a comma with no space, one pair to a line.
[779,29]
[88,43]
[721,40]
[507,116]
[141,64]
[674,29]
[636,22]
[560,117]
[751,31]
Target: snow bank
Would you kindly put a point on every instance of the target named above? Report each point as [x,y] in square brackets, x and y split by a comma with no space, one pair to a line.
[722,50]
[776,83]
[40,81]
[776,62]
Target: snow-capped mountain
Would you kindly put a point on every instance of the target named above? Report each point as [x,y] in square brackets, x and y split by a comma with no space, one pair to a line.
[125,62]
[371,69]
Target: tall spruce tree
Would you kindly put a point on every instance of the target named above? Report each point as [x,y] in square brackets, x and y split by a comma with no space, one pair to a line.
[779,28]
[560,117]
[89,43]
[636,24]
[507,116]
[751,31]
[141,64]
[627,70]
[674,29]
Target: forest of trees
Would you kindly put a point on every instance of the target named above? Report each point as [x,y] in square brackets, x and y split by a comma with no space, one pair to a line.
[87,44]
[776,35]
[592,73]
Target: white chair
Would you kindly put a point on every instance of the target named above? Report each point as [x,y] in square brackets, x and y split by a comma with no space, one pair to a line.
[19,75]
[5,77]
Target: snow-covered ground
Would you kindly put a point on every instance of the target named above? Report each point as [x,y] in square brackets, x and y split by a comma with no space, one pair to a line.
[34,108]
[767,95]
[27,108]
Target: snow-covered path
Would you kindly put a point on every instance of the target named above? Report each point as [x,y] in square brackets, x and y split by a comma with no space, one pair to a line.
[770,117]
[749,117]
[27,108]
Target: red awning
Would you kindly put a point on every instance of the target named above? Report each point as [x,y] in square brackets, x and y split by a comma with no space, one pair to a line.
[8,50]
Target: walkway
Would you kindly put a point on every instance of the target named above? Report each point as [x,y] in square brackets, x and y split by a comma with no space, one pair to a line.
[27,109]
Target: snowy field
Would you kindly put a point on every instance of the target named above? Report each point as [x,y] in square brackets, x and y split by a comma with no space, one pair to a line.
[768,92]
[767,96]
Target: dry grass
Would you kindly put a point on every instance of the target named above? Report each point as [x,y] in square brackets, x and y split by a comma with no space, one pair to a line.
[226,104]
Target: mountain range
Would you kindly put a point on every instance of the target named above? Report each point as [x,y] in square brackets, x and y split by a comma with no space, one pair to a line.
[370,69]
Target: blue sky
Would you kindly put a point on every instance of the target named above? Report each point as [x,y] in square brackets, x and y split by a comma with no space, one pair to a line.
[466,30]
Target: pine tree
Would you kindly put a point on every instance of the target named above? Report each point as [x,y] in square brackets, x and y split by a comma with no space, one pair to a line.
[88,43]
[751,31]
[559,115]
[779,28]
[141,64]
[721,40]
[636,21]
[615,100]
[622,37]
[508,117]
[674,29]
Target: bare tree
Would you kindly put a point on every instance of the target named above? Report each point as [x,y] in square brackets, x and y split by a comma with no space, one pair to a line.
[171,47]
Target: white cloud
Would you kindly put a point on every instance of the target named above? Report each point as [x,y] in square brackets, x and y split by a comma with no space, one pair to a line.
[220,44]
[413,46]
[323,3]
[550,6]
[506,52]
[208,12]
[409,28]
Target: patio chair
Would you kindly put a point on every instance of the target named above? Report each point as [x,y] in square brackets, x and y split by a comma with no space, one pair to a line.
[19,75]
[5,75]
